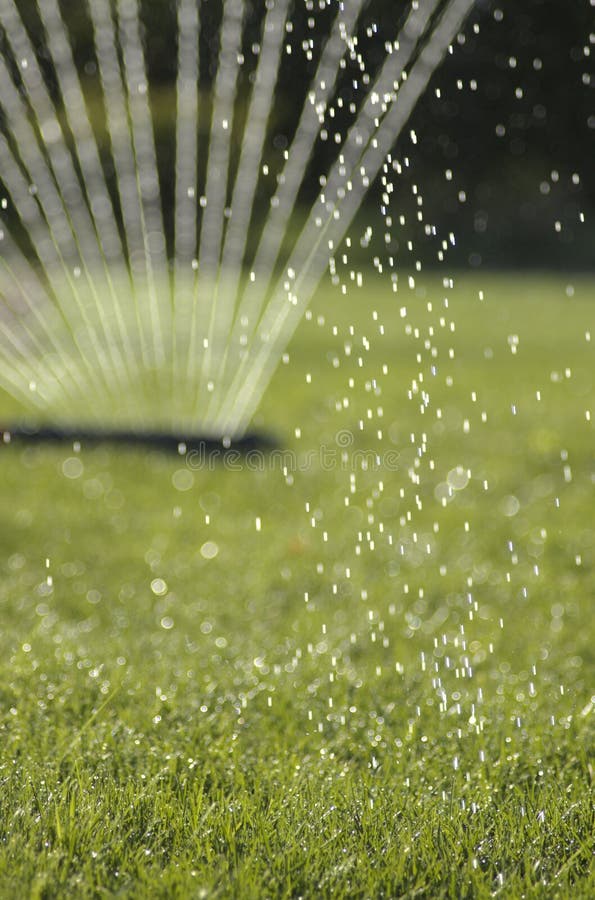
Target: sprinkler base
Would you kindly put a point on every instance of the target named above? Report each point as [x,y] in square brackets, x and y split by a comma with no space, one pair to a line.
[167,442]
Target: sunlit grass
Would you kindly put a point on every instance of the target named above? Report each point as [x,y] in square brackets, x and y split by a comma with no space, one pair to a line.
[213,682]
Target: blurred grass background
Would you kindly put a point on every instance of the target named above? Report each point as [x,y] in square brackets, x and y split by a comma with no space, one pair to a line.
[195,707]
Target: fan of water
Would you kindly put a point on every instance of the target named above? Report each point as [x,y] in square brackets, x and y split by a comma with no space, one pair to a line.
[143,289]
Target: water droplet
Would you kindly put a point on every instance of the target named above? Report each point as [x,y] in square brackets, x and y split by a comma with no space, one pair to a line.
[72,467]
[209,550]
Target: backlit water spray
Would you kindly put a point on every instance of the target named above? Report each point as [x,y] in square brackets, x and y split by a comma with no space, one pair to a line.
[107,318]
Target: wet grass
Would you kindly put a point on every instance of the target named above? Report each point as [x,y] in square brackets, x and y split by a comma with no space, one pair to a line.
[230,682]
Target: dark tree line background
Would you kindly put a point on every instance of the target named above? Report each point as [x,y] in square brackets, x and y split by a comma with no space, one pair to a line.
[513,156]
[504,155]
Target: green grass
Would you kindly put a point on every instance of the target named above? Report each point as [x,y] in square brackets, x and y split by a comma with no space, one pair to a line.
[390,698]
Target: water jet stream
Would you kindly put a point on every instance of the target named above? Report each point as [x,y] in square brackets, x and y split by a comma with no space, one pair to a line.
[186,189]
[214,215]
[245,186]
[87,236]
[249,302]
